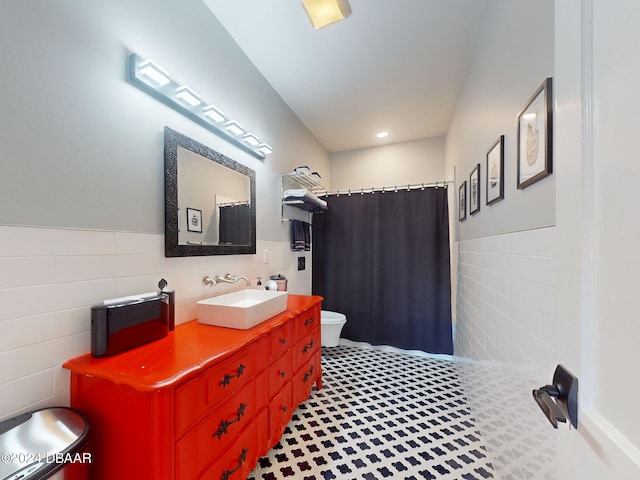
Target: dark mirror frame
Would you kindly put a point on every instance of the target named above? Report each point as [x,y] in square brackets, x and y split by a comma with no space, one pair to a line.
[173,140]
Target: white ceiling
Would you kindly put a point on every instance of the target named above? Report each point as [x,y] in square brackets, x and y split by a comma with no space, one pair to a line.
[394,65]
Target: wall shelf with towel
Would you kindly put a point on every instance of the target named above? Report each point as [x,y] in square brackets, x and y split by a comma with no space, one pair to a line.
[301,189]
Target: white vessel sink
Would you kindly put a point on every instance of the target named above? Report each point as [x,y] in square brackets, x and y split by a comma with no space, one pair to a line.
[243,309]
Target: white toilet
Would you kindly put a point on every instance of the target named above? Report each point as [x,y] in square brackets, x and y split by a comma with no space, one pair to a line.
[331,326]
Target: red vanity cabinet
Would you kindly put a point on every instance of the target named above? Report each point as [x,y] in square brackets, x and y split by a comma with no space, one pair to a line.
[306,354]
[203,403]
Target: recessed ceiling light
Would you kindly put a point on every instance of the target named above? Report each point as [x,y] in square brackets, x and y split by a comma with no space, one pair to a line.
[382,134]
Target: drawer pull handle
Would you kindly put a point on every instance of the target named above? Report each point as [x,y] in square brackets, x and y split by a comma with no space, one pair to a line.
[225,424]
[308,321]
[308,374]
[227,473]
[226,380]
[283,341]
[308,347]
[282,374]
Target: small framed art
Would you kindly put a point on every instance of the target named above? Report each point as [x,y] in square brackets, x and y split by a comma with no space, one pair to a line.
[474,190]
[495,172]
[462,201]
[535,137]
[194,220]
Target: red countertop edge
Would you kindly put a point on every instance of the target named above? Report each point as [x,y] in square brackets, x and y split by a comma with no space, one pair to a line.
[185,351]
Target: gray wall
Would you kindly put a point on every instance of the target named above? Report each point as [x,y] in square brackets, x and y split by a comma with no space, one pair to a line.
[83,148]
[513,55]
[388,165]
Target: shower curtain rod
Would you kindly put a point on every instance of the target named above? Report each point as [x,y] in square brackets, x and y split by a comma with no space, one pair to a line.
[393,188]
[233,204]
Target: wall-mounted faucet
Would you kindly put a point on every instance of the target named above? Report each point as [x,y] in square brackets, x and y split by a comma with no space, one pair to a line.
[228,278]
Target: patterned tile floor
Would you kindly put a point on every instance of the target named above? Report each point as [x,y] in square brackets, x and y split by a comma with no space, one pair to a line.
[380,415]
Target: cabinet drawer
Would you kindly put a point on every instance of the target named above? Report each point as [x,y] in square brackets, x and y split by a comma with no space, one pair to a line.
[304,379]
[279,373]
[280,411]
[238,462]
[208,440]
[280,340]
[304,349]
[306,323]
[215,384]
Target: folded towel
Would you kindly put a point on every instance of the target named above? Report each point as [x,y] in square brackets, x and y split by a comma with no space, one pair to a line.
[300,236]
[306,228]
[305,196]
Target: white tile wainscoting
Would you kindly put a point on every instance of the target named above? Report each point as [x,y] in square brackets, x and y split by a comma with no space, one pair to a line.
[506,299]
[506,314]
[49,278]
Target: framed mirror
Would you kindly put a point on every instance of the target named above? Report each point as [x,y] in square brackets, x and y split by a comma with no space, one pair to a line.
[210,200]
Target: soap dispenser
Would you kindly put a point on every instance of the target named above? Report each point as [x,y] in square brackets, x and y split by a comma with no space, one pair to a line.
[259,283]
[171,308]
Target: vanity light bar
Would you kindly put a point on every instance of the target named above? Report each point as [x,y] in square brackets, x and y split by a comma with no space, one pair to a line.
[264,149]
[213,113]
[188,96]
[251,139]
[154,72]
[151,78]
[234,128]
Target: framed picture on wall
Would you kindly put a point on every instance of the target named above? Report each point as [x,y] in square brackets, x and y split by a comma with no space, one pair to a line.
[194,220]
[462,201]
[535,137]
[474,190]
[495,172]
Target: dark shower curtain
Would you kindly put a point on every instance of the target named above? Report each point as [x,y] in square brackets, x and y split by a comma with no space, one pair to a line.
[382,259]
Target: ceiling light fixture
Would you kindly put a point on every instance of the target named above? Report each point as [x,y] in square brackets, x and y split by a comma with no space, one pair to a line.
[151,78]
[382,134]
[325,12]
